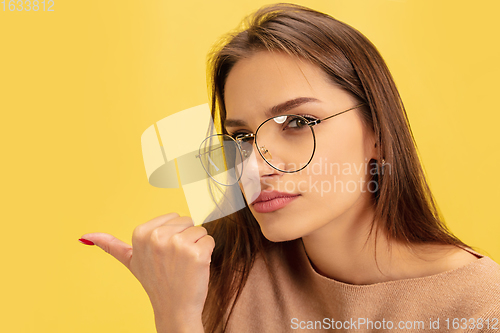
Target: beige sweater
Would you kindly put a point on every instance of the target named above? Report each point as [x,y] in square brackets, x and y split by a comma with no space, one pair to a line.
[293,297]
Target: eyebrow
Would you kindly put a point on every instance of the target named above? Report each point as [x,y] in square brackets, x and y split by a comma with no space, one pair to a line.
[275,110]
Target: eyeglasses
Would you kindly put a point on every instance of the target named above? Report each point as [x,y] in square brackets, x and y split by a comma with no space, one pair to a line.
[287,143]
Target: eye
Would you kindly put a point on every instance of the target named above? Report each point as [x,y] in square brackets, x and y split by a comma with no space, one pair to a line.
[243,136]
[298,122]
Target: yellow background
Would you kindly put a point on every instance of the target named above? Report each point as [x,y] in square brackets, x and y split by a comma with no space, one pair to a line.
[79,85]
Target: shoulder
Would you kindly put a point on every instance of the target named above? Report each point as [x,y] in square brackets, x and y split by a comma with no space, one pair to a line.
[483,272]
[471,292]
[483,282]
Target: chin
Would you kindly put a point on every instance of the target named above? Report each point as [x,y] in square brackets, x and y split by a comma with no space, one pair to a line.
[279,232]
[278,237]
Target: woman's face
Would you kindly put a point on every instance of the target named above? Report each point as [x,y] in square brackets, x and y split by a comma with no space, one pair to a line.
[335,181]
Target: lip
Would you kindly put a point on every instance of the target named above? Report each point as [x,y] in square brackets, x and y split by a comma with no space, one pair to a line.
[268,202]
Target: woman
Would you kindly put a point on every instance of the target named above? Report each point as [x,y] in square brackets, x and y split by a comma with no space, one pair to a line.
[344,232]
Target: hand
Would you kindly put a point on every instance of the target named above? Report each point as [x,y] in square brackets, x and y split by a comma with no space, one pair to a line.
[171,258]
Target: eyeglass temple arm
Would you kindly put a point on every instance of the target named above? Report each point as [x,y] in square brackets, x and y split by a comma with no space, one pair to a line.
[316,122]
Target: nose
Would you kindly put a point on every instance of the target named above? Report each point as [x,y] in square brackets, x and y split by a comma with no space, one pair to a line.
[254,166]
[260,164]
[255,170]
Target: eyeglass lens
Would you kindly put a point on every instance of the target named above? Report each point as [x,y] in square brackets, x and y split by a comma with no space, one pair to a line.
[285,142]
[219,155]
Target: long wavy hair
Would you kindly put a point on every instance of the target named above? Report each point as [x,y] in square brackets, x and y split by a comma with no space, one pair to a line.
[404,205]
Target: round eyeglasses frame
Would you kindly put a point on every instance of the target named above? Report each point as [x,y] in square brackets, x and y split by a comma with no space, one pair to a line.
[262,150]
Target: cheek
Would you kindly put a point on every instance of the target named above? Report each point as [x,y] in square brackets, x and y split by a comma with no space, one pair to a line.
[339,168]
[330,185]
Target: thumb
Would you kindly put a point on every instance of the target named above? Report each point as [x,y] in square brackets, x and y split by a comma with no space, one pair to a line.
[112,245]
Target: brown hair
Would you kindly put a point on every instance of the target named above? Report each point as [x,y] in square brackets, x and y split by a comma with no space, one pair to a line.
[404,204]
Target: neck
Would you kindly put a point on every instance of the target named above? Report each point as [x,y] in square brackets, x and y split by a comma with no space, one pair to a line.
[344,250]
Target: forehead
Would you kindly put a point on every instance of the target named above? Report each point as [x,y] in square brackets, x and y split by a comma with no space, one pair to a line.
[265,79]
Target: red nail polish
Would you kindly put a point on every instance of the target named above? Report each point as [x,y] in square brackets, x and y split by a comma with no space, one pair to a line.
[86,241]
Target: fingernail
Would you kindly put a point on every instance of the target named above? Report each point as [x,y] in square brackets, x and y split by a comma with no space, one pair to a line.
[86,241]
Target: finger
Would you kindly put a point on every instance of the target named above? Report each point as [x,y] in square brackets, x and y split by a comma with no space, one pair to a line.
[158,221]
[206,241]
[143,231]
[183,221]
[193,234]
[112,245]
[207,245]
[174,227]
[178,233]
